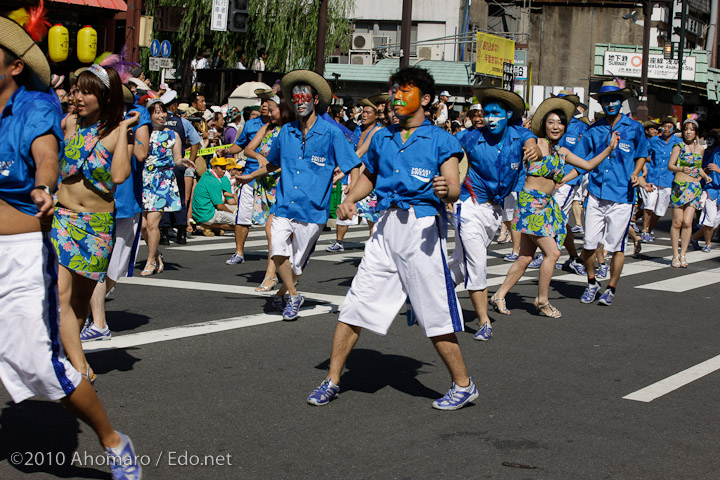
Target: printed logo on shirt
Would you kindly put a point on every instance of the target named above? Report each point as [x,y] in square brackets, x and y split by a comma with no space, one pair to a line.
[571,140]
[625,147]
[5,167]
[319,161]
[422,174]
[515,165]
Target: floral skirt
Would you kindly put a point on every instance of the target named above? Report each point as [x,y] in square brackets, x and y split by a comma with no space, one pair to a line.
[367,207]
[264,198]
[537,213]
[83,241]
[686,193]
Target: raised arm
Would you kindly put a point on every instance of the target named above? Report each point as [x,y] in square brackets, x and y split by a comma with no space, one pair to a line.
[579,162]
[120,167]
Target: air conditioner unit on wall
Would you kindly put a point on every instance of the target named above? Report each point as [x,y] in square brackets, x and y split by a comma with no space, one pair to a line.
[430,52]
[361,58]
[362,41]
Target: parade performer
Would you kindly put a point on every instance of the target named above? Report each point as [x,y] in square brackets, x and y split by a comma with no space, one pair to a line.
[128,220]
[611,186]
[495,154]
[95,158]
[32,361]
[686,163]
[539,216]
[308,150]
[655,203]
[414,169]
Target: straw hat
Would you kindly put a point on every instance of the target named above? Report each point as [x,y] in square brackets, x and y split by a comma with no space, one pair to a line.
[585,120]
[380,98]
[669,119]
[365,102]
[569,96]
[611,88]
[128,97]
[547,106]
[263,93]
[485,95]
[306,77]
[18,41]
[650,124]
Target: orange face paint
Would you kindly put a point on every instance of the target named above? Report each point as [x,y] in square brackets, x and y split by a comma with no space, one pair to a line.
[406,100]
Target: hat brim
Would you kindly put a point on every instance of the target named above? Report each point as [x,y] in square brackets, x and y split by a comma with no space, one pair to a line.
[623,92]
[572,98]
[128,97]
[381,98]
[547,106]
[485,95]
[651,124]
[365,102]
[16,39]
[307,77]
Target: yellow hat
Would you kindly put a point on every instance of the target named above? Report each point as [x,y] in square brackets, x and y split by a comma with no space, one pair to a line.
[221,161]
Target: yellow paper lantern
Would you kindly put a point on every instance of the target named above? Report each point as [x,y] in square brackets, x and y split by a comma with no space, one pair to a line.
[58,41]
[86,44]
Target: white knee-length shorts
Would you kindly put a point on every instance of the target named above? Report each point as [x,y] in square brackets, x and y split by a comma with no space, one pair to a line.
[405,258]
[32,361]
[294,239]
[606,222]
[475,229]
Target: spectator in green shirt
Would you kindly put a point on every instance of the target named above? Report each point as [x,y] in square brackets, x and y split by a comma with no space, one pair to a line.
[208,204]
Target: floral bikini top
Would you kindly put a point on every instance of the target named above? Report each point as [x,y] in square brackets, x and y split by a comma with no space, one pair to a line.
[689,159]
[550,166]
[84,154]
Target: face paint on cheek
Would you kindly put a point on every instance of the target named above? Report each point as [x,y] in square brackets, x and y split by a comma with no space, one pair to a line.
[302,100]
[611,106]
[407,101]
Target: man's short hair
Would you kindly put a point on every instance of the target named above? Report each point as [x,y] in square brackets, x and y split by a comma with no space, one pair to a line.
[417,77]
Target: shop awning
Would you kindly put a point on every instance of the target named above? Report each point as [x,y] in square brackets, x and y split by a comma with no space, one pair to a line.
[116,5]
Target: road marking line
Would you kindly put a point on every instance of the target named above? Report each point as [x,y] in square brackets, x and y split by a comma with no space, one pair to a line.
[334,300]
[685,283]
[195,329]
[680,379]
[258,243]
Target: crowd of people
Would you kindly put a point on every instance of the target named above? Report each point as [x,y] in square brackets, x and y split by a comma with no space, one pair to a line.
[96,166]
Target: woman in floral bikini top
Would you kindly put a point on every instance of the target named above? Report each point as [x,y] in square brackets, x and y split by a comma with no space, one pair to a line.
[537,215]
[95,157]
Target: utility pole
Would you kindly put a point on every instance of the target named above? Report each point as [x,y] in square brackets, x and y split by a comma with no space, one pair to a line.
[405,28]
[678,98]
[642,110]
[320,46]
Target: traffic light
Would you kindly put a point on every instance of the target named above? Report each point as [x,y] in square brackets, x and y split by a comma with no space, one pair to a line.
[238,16]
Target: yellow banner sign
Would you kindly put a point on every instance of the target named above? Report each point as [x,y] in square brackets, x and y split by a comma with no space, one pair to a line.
[492,52]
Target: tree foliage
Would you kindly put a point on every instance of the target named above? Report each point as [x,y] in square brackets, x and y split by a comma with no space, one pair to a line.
[286,28]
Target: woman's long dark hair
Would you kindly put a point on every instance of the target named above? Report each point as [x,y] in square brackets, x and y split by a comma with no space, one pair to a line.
[110,100]
[559,113]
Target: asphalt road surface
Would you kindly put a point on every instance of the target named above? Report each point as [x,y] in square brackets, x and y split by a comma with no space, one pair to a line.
[210,383]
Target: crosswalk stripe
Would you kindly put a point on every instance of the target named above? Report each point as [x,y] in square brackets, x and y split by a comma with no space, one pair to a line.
[685,283]
[192,330]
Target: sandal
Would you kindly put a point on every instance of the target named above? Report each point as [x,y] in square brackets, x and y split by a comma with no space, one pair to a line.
[266,288]
[554,312]
[88,377]
[150,268]
[161,264]
[683,262]
[675,263]
[499,305]
[638,247]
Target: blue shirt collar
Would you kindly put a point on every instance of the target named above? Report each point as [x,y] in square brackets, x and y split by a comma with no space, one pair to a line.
[8,106]
[320,127]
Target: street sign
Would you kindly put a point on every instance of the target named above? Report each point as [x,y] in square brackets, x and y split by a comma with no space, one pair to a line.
[508,78]
[155,48]
[156,63]
[165,49]
[521,72]
[219,18]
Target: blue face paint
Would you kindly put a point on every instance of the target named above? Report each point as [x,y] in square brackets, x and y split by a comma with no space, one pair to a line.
[611,104]
[496,118]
